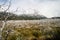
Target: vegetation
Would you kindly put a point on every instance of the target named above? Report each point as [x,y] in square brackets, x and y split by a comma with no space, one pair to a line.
[24,30]
[31,31]
[20,17]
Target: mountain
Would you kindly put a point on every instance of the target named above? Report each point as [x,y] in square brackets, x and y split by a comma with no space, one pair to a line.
[3,15]
[12,16]
[55,17]
[31,16]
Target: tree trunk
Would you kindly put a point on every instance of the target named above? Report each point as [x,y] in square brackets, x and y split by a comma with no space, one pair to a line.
[4,23]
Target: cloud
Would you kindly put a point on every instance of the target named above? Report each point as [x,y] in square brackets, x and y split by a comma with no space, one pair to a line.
[48,8]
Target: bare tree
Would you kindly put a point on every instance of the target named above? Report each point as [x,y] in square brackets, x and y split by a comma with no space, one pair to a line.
[5,17]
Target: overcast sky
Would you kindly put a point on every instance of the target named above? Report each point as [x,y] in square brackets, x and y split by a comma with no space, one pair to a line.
[48,8]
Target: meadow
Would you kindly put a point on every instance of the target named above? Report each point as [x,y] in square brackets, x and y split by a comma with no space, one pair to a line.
[44,29]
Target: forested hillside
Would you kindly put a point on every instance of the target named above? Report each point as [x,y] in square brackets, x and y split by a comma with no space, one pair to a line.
[12,16]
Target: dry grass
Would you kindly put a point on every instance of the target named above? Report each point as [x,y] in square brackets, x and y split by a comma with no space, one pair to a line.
[31,29]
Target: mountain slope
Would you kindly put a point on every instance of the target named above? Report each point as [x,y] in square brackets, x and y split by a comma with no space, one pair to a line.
[12,16]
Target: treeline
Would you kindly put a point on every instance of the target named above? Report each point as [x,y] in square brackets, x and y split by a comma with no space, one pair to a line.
[12,16]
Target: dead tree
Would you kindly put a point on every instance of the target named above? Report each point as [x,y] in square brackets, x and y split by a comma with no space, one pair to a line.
[5,17]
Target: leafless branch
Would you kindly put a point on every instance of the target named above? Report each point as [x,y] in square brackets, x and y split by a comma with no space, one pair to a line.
[8,6]
[4,22]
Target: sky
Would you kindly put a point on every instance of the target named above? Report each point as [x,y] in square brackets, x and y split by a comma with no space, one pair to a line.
[48,8]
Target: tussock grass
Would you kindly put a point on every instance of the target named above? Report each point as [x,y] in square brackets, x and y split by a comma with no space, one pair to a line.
[31,31]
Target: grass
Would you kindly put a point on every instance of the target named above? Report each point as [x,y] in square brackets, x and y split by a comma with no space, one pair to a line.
[31,31]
